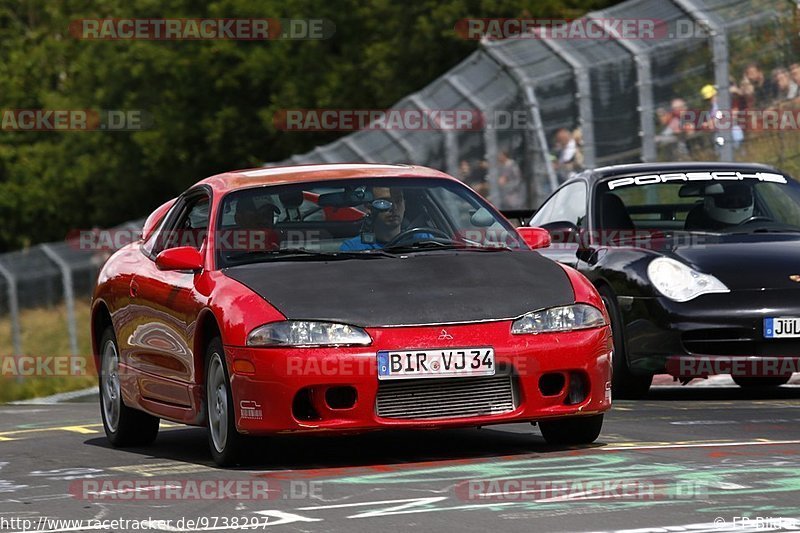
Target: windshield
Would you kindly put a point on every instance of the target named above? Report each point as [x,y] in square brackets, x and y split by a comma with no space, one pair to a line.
[703,202]
[365,218]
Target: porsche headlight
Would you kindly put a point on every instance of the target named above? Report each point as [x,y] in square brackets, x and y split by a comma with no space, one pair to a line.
[680,282]
[305,333]
[565,318]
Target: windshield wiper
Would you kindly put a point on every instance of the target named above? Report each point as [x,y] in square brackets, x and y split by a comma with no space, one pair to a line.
[427,244]
[303,254]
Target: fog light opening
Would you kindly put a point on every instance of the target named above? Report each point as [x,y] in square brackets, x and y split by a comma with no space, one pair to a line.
[578,388]
[552,384]
[303,407]
[341,397]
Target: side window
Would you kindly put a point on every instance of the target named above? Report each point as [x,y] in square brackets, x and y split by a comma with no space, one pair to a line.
[188,226]
[567,205]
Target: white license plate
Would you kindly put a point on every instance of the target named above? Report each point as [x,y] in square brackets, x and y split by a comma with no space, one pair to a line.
[449,362]
[782,328]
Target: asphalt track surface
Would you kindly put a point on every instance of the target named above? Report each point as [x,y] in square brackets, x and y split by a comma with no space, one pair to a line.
[684,459]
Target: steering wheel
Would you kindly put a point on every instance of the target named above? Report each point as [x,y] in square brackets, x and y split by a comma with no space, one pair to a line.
[404,235]
[755,218]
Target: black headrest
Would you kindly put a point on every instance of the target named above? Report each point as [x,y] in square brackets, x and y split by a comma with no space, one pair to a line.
[614,215]
[291,199]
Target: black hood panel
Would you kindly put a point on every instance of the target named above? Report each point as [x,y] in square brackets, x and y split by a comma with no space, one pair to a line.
[434,288]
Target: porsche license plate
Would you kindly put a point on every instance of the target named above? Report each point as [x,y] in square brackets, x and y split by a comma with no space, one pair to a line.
[782,328]
[450,362]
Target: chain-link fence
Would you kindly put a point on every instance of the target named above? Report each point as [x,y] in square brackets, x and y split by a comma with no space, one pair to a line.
[674,89]
[50,274]
[712,79]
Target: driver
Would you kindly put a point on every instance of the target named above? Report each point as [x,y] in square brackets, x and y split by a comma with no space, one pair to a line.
[255,226]
[386,224]
[734,205]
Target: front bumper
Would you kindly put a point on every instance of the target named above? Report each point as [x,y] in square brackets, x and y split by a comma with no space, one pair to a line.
[288,389]
[730,326]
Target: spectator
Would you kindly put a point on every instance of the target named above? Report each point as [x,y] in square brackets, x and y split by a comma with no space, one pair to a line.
[677,108]
[759,90]
[512,189]
[712,122]
[794,71]
[568,157]
[477,178]
[738,100]
[786,87]
[464,170]
[664,118]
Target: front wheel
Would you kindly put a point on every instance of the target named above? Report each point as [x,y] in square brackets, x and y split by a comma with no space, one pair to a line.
[123,425]
[225,441]
[575,430]
[750,383]
[625,385]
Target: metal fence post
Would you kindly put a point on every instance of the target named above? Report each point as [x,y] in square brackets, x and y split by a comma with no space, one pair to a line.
[644,84]
[534,126]
[719,47]
[69,295]
[491,150]
[584,97]
[13,308]
[449,136]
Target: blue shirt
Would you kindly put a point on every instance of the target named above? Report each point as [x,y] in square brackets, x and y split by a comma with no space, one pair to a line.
[356,245]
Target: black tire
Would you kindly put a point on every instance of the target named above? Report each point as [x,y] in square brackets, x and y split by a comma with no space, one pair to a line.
[625,385]
[230,450]
[124,426]
[754,382]
[574,430]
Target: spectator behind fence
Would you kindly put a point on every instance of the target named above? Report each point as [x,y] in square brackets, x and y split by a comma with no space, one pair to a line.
[512,189]
[464,170]
[568,158]
[477,177]
[794,72]
[759,90]
[787,89]
[711,120]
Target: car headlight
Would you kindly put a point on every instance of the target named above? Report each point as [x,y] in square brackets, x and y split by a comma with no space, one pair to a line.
[680,282]
[306,333]
[565,318]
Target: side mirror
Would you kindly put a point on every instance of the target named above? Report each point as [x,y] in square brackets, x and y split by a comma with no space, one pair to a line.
[536,238]
[563,232]
[180,258]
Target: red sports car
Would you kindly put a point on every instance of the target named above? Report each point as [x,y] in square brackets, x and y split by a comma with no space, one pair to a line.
[336,298]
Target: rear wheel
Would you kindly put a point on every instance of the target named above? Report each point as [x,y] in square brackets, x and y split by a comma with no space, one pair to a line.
[123,425]
[748,383]
[575,430]
[225,442]
[625,385]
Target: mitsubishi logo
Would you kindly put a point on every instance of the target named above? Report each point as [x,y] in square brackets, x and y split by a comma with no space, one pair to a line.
[444,336]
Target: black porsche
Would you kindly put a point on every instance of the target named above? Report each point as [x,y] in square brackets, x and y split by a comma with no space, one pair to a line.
[698,264]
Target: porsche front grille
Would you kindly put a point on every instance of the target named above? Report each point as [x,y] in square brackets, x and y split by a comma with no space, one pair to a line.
[446,398]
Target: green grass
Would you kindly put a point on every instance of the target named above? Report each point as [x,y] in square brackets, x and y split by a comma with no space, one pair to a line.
[44,333]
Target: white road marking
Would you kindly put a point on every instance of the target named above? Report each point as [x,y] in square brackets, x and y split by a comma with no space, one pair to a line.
[58,398]
[698,445]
